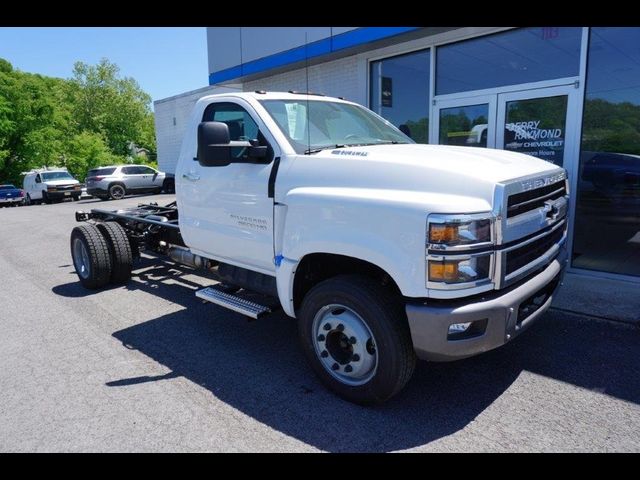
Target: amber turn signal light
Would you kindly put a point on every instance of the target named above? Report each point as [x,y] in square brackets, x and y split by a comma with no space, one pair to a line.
[443,233]
[443,271]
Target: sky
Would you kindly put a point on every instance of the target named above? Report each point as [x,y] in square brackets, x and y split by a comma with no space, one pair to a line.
[165,61]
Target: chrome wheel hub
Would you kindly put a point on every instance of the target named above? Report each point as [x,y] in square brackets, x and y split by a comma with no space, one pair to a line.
[81,258]
[344,344]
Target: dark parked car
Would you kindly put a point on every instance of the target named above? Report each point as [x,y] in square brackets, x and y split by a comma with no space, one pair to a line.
[10,196]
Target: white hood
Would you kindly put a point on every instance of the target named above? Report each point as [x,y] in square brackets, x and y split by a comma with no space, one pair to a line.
[417,168]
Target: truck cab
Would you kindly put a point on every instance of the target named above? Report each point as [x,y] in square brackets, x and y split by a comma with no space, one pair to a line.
[384,251]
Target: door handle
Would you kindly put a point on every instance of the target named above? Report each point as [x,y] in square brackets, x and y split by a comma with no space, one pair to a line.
[191,176]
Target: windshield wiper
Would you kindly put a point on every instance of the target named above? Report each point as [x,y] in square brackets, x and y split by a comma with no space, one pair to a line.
[386,142]
[309,151]
[382,142]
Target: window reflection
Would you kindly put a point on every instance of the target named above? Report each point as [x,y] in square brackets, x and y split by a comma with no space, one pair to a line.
[607,226]
[464,126]
[517,56]
[537,127]
[400,92]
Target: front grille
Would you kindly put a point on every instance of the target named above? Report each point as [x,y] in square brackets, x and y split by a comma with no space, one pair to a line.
[526,254]
[520,203]
[63,188]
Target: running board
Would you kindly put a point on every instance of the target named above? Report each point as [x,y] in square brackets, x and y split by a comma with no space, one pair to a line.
[233,302]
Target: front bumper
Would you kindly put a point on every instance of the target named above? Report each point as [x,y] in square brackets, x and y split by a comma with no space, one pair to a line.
[502,316]
[64,194]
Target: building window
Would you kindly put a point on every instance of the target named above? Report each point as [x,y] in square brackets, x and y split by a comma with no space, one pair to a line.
[400,92]
[607,224]
[518,56]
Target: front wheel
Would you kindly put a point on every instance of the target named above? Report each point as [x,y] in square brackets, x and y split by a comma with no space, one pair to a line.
[355,335]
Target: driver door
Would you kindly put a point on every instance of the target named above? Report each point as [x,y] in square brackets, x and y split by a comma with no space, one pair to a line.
[225,212]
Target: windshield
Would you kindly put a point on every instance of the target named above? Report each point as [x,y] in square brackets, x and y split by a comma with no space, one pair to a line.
[7,187]
[56,176]
[333,125]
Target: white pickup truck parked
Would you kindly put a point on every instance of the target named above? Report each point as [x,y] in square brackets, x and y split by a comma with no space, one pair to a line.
[384,250]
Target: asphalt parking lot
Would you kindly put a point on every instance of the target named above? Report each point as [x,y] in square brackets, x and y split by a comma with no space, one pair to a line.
[149,367]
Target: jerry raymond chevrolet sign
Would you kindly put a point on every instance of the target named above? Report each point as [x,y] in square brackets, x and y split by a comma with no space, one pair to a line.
[528,137]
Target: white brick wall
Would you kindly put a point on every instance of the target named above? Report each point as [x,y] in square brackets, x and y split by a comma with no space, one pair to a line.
[171,118]
[338,78]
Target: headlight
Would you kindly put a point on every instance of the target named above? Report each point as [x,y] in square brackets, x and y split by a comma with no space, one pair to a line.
[452,232]
[461,269]
[460,250]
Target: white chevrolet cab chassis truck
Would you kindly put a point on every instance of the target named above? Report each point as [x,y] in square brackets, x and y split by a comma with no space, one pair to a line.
[385,251]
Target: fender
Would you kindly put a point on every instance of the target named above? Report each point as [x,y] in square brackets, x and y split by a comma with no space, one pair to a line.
[384,227]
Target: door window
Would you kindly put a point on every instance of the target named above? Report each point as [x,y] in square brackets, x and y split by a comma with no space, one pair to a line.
[536,127]
[464,126]
[241,126]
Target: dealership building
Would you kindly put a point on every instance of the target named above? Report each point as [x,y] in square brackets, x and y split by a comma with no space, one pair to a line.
[568,95]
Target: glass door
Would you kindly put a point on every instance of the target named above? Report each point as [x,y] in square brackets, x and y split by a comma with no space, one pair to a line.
[535,122]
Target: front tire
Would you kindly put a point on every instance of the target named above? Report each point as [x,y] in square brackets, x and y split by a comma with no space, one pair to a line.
[355,335]
[91,258]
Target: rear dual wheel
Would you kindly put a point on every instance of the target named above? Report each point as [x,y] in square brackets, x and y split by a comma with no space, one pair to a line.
[101,254]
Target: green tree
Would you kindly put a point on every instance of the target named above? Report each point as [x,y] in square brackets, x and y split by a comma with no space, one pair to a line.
[112,106]
[80,123]
[87,150]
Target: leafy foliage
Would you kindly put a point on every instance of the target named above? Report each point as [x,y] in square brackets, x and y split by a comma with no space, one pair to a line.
[92,119]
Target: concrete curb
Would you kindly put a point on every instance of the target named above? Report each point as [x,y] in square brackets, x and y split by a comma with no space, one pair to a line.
[604,298]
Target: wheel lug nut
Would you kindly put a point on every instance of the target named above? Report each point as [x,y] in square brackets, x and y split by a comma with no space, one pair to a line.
[335,366]
[324,354]
[340,327]
[355,357]
[321,338]
[353,340]
[348,369]
[327,326]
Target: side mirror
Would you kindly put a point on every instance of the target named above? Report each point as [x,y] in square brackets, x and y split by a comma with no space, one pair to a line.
[257,151]
[214,148]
